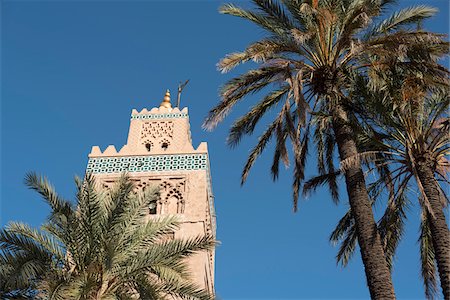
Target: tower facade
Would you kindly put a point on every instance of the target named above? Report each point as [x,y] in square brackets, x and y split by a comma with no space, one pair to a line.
[159,151]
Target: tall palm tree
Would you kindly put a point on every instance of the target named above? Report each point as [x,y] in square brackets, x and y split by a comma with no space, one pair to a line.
[410,144]
[311,50]
[105,247]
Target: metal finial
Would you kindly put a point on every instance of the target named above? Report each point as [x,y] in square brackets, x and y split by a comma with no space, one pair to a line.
[166,101]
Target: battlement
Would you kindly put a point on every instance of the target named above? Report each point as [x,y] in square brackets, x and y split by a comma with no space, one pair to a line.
[159,113]
[111,151]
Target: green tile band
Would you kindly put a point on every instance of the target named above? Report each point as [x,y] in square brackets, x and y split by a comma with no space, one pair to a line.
[153,163]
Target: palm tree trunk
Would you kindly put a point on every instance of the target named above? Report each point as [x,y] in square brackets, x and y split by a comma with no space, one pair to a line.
[377,272]
[439,229]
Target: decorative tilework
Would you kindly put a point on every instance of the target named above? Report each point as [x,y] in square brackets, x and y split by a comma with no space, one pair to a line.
[151,163]
[159,116]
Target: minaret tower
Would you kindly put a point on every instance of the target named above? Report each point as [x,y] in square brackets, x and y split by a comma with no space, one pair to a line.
[159,151]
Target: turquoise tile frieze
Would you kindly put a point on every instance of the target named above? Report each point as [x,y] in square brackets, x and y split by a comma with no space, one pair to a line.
[158,116]
[154,163]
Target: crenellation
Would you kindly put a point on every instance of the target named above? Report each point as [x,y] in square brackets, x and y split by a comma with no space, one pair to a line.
[127,150]
[110,150]
[95,151]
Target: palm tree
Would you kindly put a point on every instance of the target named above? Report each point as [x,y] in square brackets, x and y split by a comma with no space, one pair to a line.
[105,247]
[412,138]
[312,50]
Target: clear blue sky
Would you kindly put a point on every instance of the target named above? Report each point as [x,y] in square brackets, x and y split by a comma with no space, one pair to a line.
[73,70]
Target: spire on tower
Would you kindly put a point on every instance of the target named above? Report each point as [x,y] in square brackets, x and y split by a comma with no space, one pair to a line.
[166,102]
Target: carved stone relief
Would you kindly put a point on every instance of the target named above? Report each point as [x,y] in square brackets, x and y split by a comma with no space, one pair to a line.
[156,132]
[172,193]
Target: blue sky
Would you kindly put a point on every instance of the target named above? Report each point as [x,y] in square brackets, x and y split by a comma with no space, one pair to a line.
[72,71]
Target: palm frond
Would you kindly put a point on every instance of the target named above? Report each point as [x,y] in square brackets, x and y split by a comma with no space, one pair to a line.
[47,242]
[259,52]
[313,183]
[258,149]
[45,189]
[299,167]
[348,245]
[406,16]
[246,124]
[275,11]
[391,225]
[344,224]
[235,89]
[270,24]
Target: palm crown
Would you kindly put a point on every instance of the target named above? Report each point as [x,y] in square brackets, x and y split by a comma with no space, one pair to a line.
[105,247]
[311,54]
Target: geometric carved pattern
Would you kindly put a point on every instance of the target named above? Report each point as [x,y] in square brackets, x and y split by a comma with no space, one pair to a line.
[172,190]
[159,116]
[157,129]
[154,163]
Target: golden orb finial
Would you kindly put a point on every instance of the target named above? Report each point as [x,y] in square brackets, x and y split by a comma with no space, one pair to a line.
[166,102]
